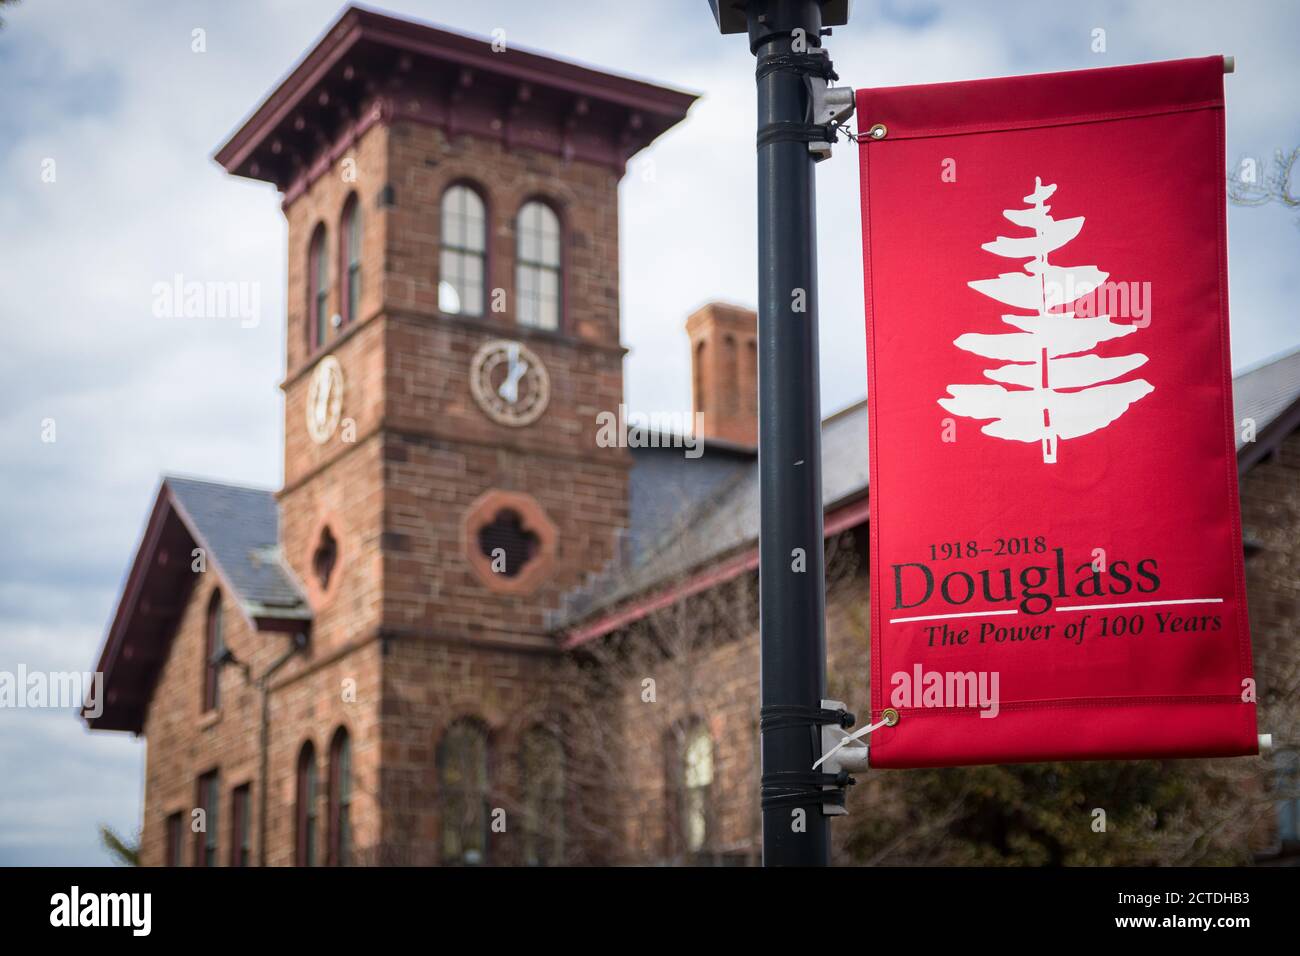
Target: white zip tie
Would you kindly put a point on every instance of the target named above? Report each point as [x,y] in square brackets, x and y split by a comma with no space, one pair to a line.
[849,738]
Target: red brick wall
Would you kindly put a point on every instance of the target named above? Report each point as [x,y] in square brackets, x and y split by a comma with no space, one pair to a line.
[423,162]
[1270,515]
[185,742]
[428,684]
[457,648]
[323,203]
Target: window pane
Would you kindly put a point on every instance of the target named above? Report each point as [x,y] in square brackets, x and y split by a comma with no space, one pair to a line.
[310,797]
[174,838]
[473,300]
[460,286]
[550,237]
[530,239]
[354,292]
[462,759]
[305,810]
[527,295]
[538,267]
[463,220]
[240,826]
[322,265]
[448,298]
[340,800]
[542,757]
[696,820]
[211,798]
[475,228]
[322,320]
[699,760]
[549,315]
[453,213]
[354,234]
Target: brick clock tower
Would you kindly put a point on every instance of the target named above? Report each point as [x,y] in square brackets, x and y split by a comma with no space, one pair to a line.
[453,333]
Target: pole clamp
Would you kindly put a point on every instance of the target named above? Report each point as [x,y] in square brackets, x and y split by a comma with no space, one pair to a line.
[805,788]
[828,106]
[785,131]
[806,64]
[792,716]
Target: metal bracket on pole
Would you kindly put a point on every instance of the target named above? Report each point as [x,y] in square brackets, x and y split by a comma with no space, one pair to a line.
[851,758]
[830,106]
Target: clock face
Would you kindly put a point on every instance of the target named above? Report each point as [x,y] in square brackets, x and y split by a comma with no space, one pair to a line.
[509,383]
[325,399]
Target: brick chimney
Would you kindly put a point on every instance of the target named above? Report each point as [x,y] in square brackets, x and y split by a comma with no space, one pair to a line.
[724,372]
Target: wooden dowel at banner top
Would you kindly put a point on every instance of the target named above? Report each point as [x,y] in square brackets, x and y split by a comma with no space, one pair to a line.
[1229,64]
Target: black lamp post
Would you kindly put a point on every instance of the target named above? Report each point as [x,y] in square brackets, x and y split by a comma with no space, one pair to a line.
[785,37]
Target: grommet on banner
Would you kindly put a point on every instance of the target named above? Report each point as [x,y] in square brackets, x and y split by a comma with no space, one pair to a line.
[878,131]
[855,758]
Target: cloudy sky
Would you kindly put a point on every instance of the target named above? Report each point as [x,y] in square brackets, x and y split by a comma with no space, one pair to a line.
[129,115]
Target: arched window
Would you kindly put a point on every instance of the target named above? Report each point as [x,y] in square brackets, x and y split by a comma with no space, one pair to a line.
[463,786]
[305,845]
[697,787]
[340,800]
[541,757]
[537,258]
[350,260]
[214,648]
[462,263]
[209,801]
[318,284]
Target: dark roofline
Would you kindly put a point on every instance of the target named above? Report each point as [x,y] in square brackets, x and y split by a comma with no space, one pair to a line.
[356,24]
[1276,357]
[125,711]
[129,599]
[1267,443]
[849,512]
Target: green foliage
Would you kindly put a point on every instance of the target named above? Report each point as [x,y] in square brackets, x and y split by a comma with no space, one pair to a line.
[1156,813]
[123,853]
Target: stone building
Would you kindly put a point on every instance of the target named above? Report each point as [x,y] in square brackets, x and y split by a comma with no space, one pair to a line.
[465,630]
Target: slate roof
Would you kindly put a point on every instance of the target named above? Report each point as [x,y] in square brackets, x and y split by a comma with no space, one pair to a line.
[1265,391]
[715,520]
[241,527]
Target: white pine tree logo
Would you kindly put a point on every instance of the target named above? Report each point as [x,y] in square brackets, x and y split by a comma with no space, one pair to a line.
[1058,392]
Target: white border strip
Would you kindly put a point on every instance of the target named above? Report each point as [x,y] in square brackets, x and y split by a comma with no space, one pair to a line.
[947,617]
[1072,607]
[1101,607]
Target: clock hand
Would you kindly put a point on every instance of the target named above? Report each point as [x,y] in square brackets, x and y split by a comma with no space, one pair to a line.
[509,389]
[322,398]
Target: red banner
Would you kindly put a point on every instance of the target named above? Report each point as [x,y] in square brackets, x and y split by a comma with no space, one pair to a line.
[1056,555]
